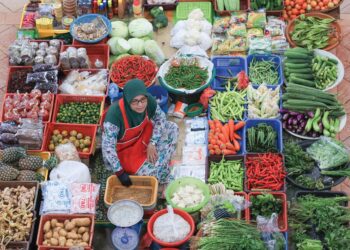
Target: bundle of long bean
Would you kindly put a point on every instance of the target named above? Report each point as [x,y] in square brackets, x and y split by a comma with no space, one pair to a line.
[265,71]
[228,105]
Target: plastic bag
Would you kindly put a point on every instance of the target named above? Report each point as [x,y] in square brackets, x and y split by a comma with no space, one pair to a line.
[196,137]
[42,77]
[171,227]
[84,197]
[226,46]
[238,17]
[221,24]
[67,152]
[237,30]
[8,138]
[260,45]
[256,19]
[71,172]
[255,32]
[44,67]
[56,197]
[274,240]
[8,128]
[113,92]
[194,154]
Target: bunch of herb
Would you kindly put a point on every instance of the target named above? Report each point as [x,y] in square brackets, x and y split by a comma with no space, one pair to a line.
[265,205]
[297,161]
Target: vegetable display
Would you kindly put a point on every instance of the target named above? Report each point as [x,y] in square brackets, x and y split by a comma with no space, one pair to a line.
[261,138]
[265,205]
[265,172]
[228,5]
[228,172]
[187,74]
[224,139]
[268,5]
[130,67]
[79,112]
[312,32]
[264,71]
[160,19]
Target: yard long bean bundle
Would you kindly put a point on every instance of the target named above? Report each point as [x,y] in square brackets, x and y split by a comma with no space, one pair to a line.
[264,71]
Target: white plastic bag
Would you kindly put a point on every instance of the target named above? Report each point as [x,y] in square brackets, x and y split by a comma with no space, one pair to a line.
[71,172]
[67,152]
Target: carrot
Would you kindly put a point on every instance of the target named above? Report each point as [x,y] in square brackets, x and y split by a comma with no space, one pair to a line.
[236,145]
[231,125]
[218,124]
[222,138]
[218,130]
[218,151]
[213,142]
[211,152]
[236,136]
[226,132]
[222,146]
[239,125]
[229,146]
[210,146]
[216,147]
[229,152]
[211,124]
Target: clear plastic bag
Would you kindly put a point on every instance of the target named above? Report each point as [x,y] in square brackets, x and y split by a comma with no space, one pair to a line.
[8,138]
[274,240]
[44,67]
[67,152]
[64,60]
[221,24]
[56,198]
[260,45]
[8,128]
[38,60]
[84,197]
[55,43]
[50,59]
[42,77]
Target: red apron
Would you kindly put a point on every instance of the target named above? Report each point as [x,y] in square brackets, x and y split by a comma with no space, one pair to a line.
[132,147]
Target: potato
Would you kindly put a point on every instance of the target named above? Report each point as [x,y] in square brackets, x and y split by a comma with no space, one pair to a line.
[62,232]
[69,243]
[56,235]
[59,224]
[45,242]
[62,241]
[72,235]
[83,244]
[86,237]
[75,230]
[69,226]
[82,222]
[47,226]
[53,223]
[56,229]
[54,242]
[66,221]
[48,235]
[82,230]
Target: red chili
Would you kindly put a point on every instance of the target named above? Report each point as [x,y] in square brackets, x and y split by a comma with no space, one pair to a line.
[265,171]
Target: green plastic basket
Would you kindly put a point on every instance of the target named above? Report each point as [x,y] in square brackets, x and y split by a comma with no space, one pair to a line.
[174,185]
[184,8]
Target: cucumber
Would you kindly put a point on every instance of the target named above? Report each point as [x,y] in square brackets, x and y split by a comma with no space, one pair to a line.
[301,81]
[296,102]
[290,60]
[297,65]
[297,55]
[299,96]
[307,70]
[303,76]
[301,50]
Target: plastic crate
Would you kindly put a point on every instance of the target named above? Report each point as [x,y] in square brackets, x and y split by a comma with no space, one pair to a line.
[221,65]
[184,8]
[62,99]
[9,82]
[94,52]
[274,123]
[248,189]
[282,217]
[44,121]
[86,130]
[244,6]
[170,6]
[277,61]
[138,182]
[76,42]
[61,218]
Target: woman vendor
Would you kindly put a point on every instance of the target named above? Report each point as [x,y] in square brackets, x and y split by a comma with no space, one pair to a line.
[137,139]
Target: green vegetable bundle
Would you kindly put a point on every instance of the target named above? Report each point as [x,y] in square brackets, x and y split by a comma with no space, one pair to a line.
[265,205]
[297,161]
[261,139]
[266,4]
[230,5]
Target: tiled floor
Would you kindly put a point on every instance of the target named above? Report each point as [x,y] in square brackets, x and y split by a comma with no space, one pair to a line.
[10,14]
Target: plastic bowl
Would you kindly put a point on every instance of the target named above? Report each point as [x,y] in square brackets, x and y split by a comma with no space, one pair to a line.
[198,109]
[86,19]
[186,216]
[174,185]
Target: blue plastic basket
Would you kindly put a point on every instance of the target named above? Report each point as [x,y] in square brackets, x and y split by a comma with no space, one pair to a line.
[276,59]
[86,19]
[161,95]
[221,65]
[244,113]
[277,126]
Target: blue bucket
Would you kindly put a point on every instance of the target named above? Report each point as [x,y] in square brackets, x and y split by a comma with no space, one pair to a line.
[161,95]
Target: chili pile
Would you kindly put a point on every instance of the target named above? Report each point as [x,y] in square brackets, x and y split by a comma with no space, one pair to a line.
[131,67]
[265,172]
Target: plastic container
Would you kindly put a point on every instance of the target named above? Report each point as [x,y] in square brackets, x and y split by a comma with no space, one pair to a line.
[87,19]
[127,238]
[184,8]
[244,6]
[161,95]
[274,123]
[282,217]
[174,186]
[180,212]
[95,52]
[222,64]
[194,109]
[44,121]
[277,61]
[61,218]
[145,183]
[62,99]
[86,130]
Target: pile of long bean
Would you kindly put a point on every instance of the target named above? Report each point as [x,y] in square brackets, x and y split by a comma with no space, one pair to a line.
[228,105]
[230,173]
[265,71]
[186,76]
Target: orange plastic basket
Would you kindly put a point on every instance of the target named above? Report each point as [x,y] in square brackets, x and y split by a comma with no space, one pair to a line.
[62,99]
[86,130]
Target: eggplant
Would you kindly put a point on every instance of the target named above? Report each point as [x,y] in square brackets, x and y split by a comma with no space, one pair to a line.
[314,134]
[320,125]
[299,130]
[299,117]
[311,114]
[289,127]
[290,120]
[294,113]
[282,111]
[295,122]
[303,124]
[284,125]
[285,116]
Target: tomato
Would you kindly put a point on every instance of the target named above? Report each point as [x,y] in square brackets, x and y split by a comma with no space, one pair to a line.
[308,7]
[292,3]
[308,1]
[295,12]
[293,16]
[302,11]
[317,7]
[299,2]
[325,2]
[323,8]
[287,2]
[297,6]
[336,2]
[320,4]
[289,7]
[313,3]
[304,6]
[289,13]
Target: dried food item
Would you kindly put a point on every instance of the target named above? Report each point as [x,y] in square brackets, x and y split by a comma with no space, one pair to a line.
[90,31]
[17,81]
[43,67]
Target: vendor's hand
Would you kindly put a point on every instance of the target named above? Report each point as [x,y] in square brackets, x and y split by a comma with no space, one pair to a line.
[152,155]
[124,178]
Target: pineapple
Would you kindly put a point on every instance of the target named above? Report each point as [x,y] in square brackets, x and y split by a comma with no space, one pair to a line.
[29,175]
[7,173]
[12,154]
[51,163]
[30,162]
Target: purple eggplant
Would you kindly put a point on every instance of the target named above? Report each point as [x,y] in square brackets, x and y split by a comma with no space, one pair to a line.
[311,114]
[303,124]
[290,120]
[293,113]
[314,134]
[299,130]
[282,111]
[285,116]
[321,127]
[299,117]
[284,125]
[295,122]
[289,127]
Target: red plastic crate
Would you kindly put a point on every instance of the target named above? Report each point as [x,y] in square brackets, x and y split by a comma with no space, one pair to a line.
[92,71]
[244,6]
[61,218]
[76,42]
[282,217]
[9,76]
[86,130]
[44,121]
[62,99]
[96,51]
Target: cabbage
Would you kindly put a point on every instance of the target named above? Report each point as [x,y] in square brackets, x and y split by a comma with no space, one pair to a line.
[153,51]
[112,43]
[119,29]
[137,46]
[122,46]
[140,27]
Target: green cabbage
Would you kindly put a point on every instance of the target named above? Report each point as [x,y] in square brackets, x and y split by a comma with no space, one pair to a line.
[137,46]
[112,43]
[122,46]
[119,29]
[153,51]
[140,27]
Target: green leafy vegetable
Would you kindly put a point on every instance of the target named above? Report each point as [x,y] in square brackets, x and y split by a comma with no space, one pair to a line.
[265,205]
[297,161]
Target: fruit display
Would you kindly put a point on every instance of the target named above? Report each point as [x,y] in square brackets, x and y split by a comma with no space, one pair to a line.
[82,142]
[33,105]
[79,112]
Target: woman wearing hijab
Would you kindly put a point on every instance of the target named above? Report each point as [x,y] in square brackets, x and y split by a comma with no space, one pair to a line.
[137,138]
